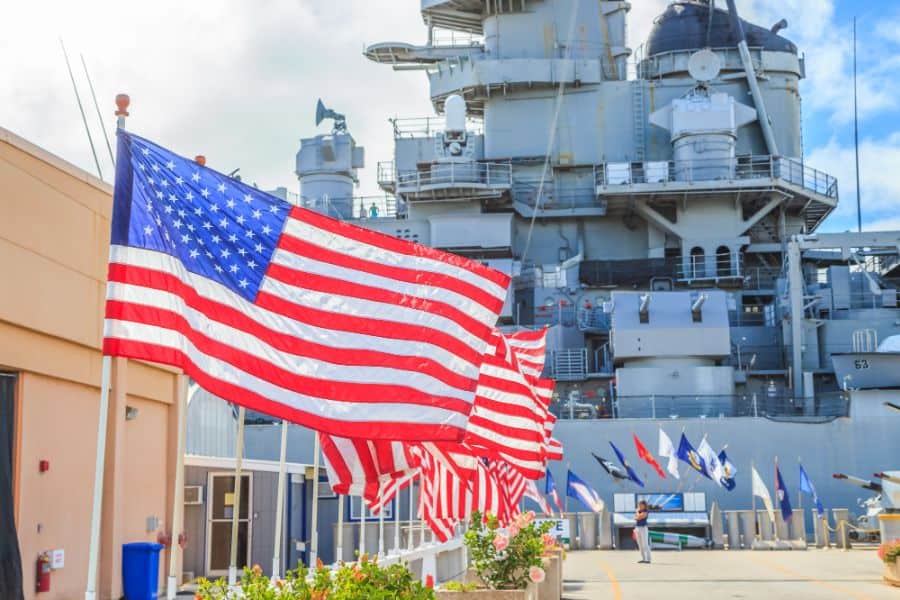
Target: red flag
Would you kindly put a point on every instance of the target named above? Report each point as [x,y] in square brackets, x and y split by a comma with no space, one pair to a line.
[644,454]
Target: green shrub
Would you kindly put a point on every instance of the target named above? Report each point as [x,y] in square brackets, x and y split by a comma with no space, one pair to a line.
[363,580]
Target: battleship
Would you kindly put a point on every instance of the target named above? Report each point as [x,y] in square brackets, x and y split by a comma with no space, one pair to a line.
[656,213]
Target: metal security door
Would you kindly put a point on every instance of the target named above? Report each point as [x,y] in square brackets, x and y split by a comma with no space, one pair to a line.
[219,514]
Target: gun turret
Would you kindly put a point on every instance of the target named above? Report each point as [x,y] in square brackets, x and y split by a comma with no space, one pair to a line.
[892,477]
[863,483]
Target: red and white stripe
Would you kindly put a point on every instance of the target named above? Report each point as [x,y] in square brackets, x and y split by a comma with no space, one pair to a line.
[531,350]
[353,332]
[507,419]
[388,491]
[360,467]
[531,491]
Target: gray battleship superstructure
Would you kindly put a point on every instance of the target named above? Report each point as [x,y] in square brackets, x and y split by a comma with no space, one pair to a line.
[654,209]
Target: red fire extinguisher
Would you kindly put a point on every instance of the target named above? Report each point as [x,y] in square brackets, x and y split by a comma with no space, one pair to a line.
[43,573]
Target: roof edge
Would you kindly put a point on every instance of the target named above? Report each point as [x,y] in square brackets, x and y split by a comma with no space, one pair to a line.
[53,160]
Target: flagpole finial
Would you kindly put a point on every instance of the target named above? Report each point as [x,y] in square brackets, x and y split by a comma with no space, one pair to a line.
[122,103]
[200,160]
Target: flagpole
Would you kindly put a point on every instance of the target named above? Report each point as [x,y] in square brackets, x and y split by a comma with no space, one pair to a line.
[279,502]
[362,527]
[236,507]
[381,532]
[339,547]
[396,508]
[774,525]
[800,493]
[753,501]
[314,538]
[90,592]
[409,540]
[178,493]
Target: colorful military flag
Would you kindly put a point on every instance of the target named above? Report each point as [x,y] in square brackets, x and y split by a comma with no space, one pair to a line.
[781,493]
[550,489]
[687,453]
[667,451]
[645,455]
[807,487]
[728,471]
[577,488]
[631,474]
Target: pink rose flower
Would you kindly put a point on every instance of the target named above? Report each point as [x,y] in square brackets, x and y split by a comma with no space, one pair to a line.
[513,530]
[529,517]
[549,541]
[536,574]
[500,542]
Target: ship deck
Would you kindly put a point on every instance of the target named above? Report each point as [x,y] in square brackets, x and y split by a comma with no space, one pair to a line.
[689,575]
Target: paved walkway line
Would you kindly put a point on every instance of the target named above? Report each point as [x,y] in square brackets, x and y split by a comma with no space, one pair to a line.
[819,582]
[616,589]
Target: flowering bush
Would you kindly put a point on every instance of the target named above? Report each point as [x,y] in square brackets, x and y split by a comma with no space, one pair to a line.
[889,552]
[510,558]
[363,580]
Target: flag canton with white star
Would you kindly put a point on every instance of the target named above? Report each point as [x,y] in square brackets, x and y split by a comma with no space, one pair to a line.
[215,225]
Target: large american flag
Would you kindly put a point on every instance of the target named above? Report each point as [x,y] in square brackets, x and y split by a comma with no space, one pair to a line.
[289,312]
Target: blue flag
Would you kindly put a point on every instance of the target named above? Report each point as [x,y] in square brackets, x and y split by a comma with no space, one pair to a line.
[577,488]
[729,471]
[631,474]
[781,494]
[687,453]
[807,487]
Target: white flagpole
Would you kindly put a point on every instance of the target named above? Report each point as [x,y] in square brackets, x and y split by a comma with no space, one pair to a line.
[178,495]
[279,502]
[314,538]
[339,547]
[362,526]
[90,592]
[409,539]
[236,507]
[381,532]
[396,549]
[753,503]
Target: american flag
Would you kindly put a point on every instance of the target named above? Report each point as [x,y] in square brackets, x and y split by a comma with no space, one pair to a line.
[507,420]
[289,312]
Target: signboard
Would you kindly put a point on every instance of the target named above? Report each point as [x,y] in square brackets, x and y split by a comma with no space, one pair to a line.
[663,502]
[560,529]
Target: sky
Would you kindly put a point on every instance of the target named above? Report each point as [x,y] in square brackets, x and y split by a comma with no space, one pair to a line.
[238,82]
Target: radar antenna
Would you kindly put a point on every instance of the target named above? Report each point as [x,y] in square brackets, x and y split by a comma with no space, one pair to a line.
[340,121]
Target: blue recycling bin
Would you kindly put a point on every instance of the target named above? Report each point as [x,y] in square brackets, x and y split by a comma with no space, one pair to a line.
[140,570]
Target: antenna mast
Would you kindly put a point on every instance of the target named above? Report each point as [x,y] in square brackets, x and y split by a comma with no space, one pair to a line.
[856,134]
[97,108]
[81,108]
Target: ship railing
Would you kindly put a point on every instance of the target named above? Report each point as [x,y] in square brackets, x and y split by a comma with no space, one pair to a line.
[385,207]
[569,365]
[457,174]
[413,127]
[387,174]
[716,169]
[441,38]
[656,66]
[661,406]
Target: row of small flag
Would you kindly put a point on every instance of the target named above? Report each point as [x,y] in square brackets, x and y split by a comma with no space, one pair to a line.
[704,460]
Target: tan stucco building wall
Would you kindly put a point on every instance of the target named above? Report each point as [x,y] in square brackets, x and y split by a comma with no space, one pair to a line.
[54,240]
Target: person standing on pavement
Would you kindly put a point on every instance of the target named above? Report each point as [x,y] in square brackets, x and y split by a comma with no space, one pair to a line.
[641,532]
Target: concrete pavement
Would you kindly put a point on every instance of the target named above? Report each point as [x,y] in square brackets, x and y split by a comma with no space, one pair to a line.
[710,575]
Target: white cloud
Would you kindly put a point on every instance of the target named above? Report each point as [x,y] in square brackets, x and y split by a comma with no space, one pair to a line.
[233,80]
[879,162]
[238,81]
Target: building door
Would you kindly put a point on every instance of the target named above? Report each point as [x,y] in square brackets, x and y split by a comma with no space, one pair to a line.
[10,560]
[220,510]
